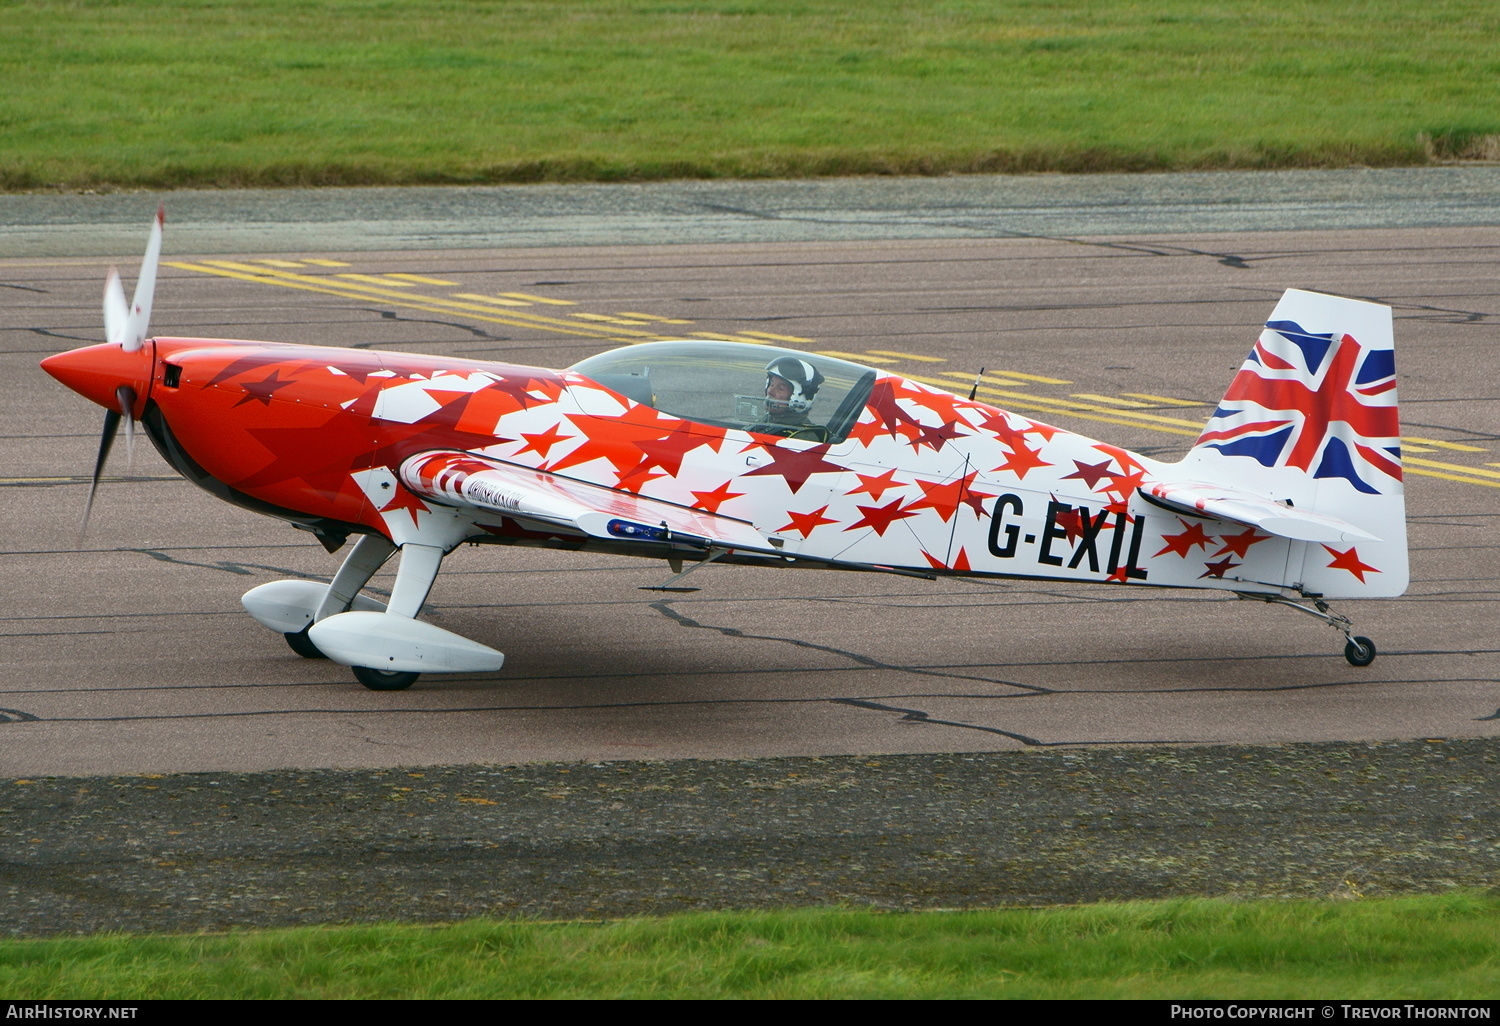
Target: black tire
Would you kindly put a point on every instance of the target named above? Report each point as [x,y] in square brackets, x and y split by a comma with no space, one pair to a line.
[385,680]
[1359,651]
[303,645]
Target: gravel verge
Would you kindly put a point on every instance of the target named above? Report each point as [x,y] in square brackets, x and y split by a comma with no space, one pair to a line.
[244,221]
[216,851]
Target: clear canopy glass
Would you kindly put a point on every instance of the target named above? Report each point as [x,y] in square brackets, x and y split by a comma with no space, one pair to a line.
[724,384]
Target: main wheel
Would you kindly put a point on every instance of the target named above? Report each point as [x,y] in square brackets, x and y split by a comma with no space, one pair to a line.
[303,645]
[1359,651]
[385,680]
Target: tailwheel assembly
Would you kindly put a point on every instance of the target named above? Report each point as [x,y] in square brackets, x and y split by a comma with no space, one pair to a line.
[1358,650]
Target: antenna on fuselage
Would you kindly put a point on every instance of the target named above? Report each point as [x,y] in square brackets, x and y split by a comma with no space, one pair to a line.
[977,379]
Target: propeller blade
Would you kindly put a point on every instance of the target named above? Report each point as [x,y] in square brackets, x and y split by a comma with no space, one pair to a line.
[116,314]
[145,287]
[106,441]
[125,396]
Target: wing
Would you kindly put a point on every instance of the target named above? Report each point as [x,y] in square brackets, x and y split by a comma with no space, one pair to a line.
[1254,511]
[470,481]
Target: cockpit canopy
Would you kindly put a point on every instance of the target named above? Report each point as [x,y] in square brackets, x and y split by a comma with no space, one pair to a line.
[724,384]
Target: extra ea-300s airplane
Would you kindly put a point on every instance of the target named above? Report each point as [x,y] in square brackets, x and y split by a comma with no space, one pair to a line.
[696,452]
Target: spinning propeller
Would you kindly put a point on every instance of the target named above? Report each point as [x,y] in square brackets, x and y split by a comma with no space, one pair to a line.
[118,374]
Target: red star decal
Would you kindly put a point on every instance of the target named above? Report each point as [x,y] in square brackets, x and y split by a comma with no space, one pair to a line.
[867,431]
[667,453]
[542,443]
[890,417]
[880,517]
[960,561]
[935,437]
[1350,561]
[636,478]
[484,409]
[614,438]
[1071,521]
[520,388]
[1182,544]
[404,499]
[441,429]
[301,474]
[1126,461]
[1090,473]
[1036,427]
[794,465]
[1125,484]
[325,467]
[1219,569]
[805,523]
[945,404]
[254,361]
[946,498]
[1022,460]
[364,403]
[711,501]
[350,367]
[262,390]
[1239,544]
[875,484]
[997,423]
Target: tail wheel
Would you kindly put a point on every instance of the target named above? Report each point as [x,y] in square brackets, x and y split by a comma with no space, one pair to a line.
[303,645]
[390,680]
[1359,651]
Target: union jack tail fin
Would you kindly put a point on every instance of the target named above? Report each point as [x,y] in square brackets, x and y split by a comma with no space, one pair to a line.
[1311,422]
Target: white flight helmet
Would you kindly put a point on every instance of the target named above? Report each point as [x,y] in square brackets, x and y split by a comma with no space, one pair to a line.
[804,378]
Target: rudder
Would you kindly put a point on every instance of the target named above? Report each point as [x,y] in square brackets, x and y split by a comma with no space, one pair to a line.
[1311,420]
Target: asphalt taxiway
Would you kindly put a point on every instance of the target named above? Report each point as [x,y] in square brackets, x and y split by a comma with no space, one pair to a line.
[130,653]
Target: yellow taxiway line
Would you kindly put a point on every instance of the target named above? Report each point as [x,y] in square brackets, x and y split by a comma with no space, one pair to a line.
[349,290]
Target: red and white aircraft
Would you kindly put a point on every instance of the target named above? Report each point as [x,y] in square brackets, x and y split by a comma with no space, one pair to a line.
[698,451]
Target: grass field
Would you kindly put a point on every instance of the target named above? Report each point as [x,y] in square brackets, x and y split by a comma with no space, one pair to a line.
[282,92]
[1412,948]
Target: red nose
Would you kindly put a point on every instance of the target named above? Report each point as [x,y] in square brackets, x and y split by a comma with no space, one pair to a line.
[97,372]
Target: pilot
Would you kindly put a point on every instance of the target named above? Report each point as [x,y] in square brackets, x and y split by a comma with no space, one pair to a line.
[791,385]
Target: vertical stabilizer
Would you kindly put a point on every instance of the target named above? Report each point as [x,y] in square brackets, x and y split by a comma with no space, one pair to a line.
[1311,420]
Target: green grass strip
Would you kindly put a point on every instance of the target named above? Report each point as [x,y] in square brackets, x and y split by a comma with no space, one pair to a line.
[1410,948]
[164,93]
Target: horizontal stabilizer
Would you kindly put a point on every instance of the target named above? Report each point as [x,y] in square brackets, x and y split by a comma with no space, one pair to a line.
[470,481]
[1256,511]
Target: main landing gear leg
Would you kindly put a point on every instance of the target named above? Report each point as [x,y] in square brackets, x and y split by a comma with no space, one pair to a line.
[414,577]
[1359,651]
[368,555]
